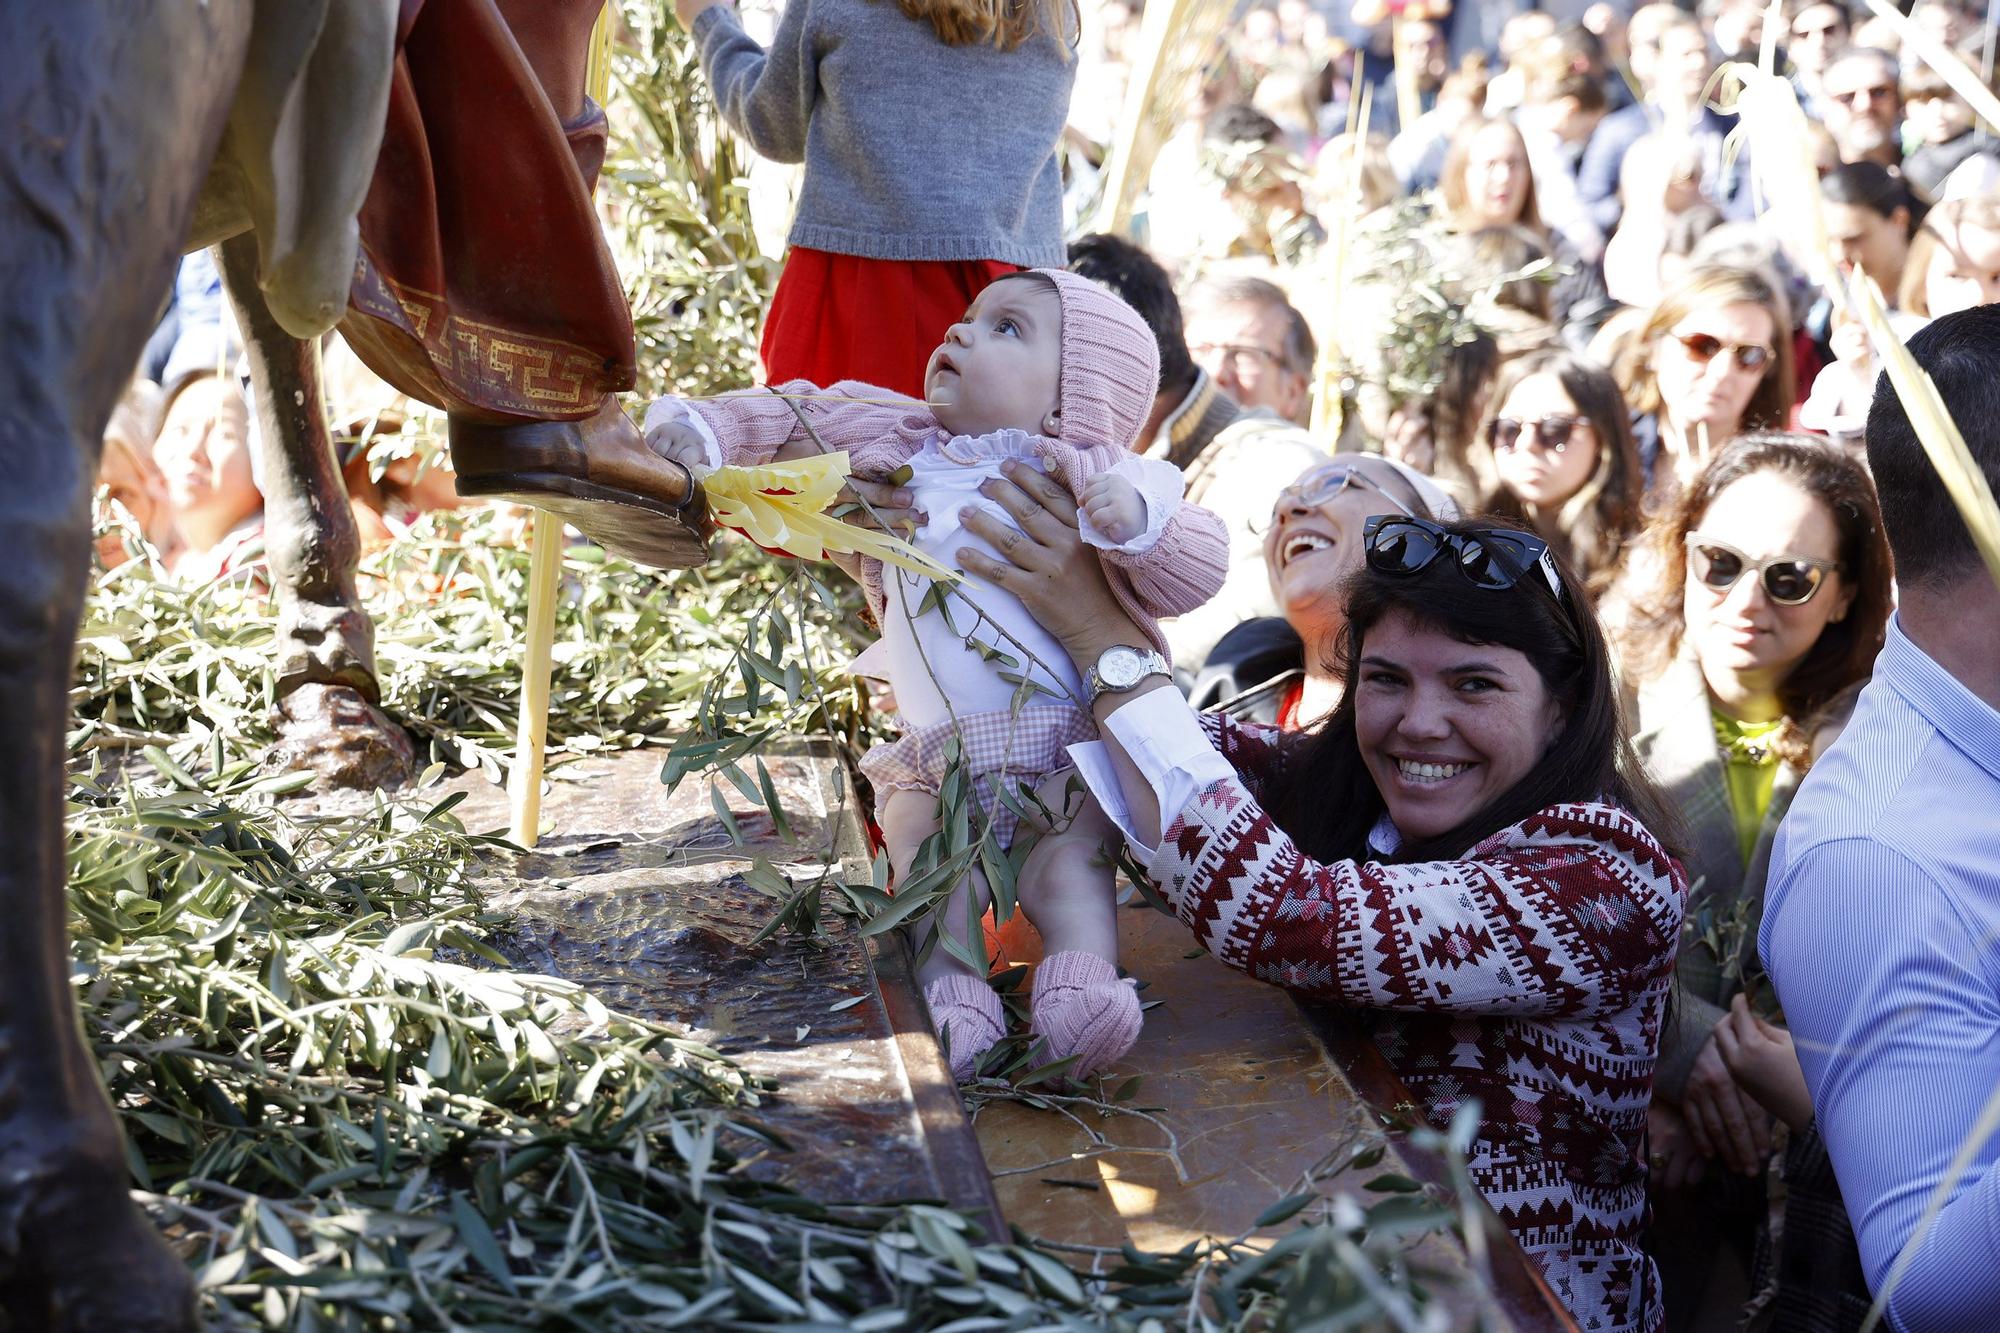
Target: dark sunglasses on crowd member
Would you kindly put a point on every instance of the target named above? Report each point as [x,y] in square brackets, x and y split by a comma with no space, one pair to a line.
[1552,432]
[1702,347]
[1492,558]
[1789,580]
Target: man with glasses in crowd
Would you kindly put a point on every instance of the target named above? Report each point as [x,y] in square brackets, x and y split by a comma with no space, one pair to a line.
[1862,108]
[1248,336]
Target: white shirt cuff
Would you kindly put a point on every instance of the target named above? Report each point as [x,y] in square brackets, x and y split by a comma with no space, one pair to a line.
[1164,739]
[663,410]
[1160,486]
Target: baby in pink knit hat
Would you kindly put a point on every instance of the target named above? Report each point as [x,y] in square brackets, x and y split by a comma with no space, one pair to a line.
[1055,371]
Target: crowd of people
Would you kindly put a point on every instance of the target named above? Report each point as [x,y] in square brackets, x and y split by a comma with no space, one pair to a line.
[1582,672]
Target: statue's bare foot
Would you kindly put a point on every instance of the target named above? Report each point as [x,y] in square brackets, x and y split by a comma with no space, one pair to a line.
[76,1255]
[335,732]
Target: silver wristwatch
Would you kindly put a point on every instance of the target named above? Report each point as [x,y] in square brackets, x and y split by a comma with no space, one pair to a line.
[1123,667]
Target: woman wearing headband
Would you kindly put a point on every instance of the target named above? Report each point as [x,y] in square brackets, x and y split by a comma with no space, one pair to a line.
[1772,595]
[1281,669]
[1463,852]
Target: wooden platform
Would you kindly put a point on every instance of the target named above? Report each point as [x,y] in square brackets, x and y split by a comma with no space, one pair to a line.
[642,898]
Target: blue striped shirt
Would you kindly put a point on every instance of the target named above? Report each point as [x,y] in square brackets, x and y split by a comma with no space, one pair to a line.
[1882,933]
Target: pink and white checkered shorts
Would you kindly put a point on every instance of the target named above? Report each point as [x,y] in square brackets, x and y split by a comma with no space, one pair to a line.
[1022,747]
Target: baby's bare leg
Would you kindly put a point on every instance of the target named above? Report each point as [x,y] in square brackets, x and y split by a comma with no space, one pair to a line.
[968,1015]
[1082,1010]
[909,817]
[1068,885]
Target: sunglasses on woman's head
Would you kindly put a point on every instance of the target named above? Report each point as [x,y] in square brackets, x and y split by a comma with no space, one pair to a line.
[1552,432]
[1789,580]
[1703,347]
[1492,558]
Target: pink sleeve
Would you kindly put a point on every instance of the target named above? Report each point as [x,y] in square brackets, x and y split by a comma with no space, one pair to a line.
[1180,571]
[754,425]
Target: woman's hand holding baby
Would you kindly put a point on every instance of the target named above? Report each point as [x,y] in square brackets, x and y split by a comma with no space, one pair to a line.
[1114,507]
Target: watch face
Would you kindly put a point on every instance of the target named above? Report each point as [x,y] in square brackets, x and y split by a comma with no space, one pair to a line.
[1121,668]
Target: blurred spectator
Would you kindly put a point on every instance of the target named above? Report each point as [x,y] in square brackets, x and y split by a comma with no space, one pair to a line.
[1488,182]
[1261,187]
[131,480]
[1942,130]
[1954,262]
[1333,173]
[1556,123]
[1713,359]
[1559,443]
[1520,36]
[1736,28]
[1818,32]
[1869,220]
[1417,154]
[1259,349]
[1862,107]
[204,455]
[1675,110]
[1435,435]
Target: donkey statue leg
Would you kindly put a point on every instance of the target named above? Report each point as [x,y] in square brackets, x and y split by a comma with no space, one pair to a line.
[113,112]
[327,689]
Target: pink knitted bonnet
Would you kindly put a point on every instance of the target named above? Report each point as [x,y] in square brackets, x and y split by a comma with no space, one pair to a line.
[1110,364]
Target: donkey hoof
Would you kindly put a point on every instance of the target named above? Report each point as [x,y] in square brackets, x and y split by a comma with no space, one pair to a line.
[334,732]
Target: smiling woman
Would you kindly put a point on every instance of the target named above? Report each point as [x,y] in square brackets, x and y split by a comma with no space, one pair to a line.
[1463,853]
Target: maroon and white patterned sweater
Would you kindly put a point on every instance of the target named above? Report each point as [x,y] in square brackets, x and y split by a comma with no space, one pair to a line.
[1530,974]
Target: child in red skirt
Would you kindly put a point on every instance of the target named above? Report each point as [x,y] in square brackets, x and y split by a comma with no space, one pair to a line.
[1054,372]
[929,130]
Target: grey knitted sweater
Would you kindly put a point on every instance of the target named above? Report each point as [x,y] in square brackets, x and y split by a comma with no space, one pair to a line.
[913,149]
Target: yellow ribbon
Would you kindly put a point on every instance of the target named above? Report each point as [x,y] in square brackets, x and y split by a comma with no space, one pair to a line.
[782,507]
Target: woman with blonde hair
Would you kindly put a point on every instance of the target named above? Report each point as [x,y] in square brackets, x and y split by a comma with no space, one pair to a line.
[1560,450]
[1713,359]
[1487,181]
[931,133]
[1954,260]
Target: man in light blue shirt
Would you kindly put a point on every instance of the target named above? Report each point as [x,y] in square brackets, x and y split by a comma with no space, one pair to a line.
[1882,921]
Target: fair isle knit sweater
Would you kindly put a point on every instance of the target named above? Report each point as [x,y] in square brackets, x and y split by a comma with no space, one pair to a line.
[913,149]
[1173,576]
[1530,974]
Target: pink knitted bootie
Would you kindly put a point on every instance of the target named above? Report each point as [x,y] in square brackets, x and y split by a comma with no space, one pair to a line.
[968,1017]
[1081,1008]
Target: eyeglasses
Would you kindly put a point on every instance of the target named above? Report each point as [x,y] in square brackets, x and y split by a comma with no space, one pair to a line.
[1789,580]
[1702,347]
[1491,558]
[1235,354]
[1320,485]
[1552,432]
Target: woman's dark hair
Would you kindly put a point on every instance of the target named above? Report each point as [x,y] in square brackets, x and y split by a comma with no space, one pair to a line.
[1593,527]
[1845,651]
[1454,406]
[1493,252]
[1872,186]
[1327,800]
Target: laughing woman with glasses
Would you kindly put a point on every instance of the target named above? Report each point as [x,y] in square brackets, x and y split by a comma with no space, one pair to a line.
[1464,856]
[1713,360]
[1772,596]
[1561,449]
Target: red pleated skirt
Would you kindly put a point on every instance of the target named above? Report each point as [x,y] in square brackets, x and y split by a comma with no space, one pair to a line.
[843,317]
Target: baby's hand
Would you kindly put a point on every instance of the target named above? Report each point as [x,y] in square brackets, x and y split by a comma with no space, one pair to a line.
[1114,506]
[679,439]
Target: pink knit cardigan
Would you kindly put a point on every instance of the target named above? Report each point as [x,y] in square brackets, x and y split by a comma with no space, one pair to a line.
[1178,573]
